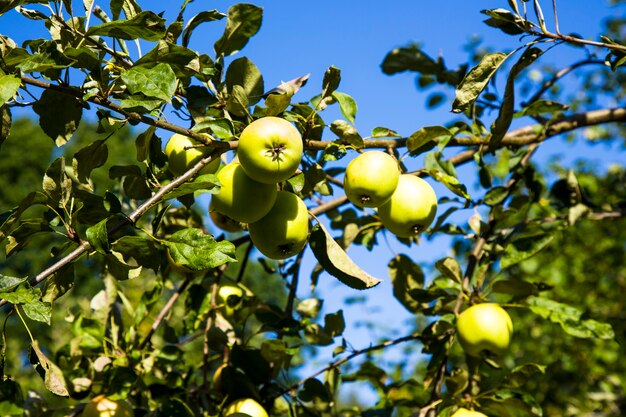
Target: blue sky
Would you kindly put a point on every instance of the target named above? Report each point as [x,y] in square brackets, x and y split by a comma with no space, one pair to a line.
[299,37]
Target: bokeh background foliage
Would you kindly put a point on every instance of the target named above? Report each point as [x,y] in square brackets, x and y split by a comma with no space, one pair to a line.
[89,212]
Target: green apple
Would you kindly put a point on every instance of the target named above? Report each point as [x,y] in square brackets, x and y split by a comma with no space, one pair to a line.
[283,231]
[270,150]
[411,208]
[246,406]
[101,406]
[371,178]
[484,328]
[183,153]
[230,297]
[240,197]
[223,221]
[464,412]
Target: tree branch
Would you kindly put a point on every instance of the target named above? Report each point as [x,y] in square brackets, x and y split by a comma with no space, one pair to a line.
[132,116]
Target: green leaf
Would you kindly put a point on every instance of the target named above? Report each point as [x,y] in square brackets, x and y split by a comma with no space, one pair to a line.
[145,25]
[506,21]
[158,82]
[11,217]
[11,397]
[278,99]
[383,132]
[347,105]
[142,250]
[506,403]
[5,123]
[450,268]
[89,158]
[8,283]
[410,58]
[337,262]
[542,107]
[207,182]
[238,101]
[476,80]
[501,125]
[24,232]
[133,183]
[98,237]
[244,73]
[243,22]
[140,104]
[451,182]
[347,133]
[334,324]
[57,184]
[202,17]
[30,300]
[405,276]
[496,195]
[9,84]
[524,248]
[51,373]
[332,78]
[570,319]
[59,115]
[521,374]
[427,138]
[192,249]
[183,61]
[59,283]
[515,287]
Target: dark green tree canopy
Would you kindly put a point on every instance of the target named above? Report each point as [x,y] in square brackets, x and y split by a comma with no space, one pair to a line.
[120,286]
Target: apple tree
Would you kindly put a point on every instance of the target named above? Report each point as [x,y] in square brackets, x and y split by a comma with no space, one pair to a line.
[156,223]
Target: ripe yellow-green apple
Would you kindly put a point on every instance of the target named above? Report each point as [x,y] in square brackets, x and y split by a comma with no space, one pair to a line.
[246,406]
[183,153]
[484,329]
[283,231]
[464,412]
[101,406]
[270,150]
[371,178]
[223,221]
[411,208]
[240,197]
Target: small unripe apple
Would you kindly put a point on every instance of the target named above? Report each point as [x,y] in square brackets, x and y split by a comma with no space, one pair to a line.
[183,153]
[246,406]
[270,150]
[371,178]
[101,406]
[283,231]
[240,197]
[464,412]
[484,328]
[230,297]
[411,208]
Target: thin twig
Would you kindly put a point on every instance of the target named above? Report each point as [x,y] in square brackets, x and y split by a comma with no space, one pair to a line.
[244,262]
[294,285]
[165,310]
[556,18]
[339,362]
[548,84]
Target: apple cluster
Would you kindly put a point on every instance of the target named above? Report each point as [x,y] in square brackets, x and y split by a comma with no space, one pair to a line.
[269,152]
[406,203]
